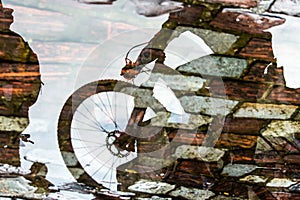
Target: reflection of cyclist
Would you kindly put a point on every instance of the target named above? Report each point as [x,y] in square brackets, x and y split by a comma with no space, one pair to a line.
[154,51]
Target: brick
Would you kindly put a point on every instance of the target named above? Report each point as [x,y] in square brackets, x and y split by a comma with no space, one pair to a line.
[225,141]
[19,72]
[188,16]
[14,48]
[258,49]
[236,3]
[6,18]
[283,195]
[285,95]
[265,72]
[265,111]
[9,139]
[243,125]
[268,157]
[189,179]
[292,158]
[236,90]
[231,188]
[10,156]
[242,156]
[233,141]
[243,22]
[277,170]
[198,168]
[18,91]
[187,137]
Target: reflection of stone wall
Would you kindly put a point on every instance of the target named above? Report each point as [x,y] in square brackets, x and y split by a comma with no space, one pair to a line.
[19,87]
[256,155]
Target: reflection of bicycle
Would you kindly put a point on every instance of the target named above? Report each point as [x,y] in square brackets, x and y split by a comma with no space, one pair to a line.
[110,125]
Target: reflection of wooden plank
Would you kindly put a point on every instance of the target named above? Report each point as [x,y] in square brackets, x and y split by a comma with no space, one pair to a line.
[19,72]
[62,52]
[73,21]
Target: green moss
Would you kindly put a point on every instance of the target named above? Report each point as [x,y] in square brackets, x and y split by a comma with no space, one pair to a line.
[170,25]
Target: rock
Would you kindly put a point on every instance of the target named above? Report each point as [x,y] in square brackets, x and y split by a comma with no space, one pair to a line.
[280,182]
[290,7]
[207,154]
[18,187]
[38,178]
[192,193]
[237,170]
[215,66]
[254,179]
[151,187]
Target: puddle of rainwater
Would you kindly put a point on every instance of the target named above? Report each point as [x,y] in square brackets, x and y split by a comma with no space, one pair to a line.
[56,45]
[59,69]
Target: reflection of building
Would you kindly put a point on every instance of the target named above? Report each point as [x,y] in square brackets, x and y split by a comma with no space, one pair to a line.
[19,87]
[258,147]
[256,154]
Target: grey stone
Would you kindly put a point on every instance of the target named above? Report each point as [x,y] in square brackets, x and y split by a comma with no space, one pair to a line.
[219,42]
[237,170]
[207,105]
[191,122]
[254,179]
[18,187]
[295,188]
[69,158]
[76,172]
[262,6]
[265,111]
[177,82]
[151,187]
[262,145]
[280,182]
[8,169]
[17,124]
[290,7]
[215,66]
[154,198]
[222,197]
[207,154]
[285,129]
[192,193]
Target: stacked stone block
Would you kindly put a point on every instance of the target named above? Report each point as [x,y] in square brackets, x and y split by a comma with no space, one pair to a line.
[19,87]
[255,156]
